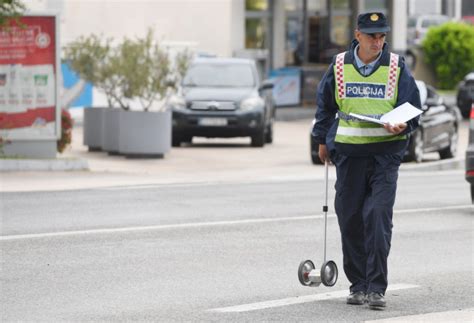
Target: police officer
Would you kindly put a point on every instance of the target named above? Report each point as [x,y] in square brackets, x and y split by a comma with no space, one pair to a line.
[367,80]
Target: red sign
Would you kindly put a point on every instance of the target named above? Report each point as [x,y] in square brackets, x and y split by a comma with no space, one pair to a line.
[28,78]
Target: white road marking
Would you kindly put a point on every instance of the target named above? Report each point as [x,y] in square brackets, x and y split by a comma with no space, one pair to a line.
[296,300]
[160,227]
[435,209]
[207,224]
[465,315]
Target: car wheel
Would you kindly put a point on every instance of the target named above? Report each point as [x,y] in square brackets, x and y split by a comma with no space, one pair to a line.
[450,151]
[472,193]
[465,111]
[258,140]
[315,159]
[176,141]
[269,133]
[415,150]
[187,139]
[314,151]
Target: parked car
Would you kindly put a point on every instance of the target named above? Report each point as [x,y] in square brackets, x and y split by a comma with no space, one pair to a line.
[223,97]
[438,130]
[465,95]
[470,154]
[439,127]
[418,26]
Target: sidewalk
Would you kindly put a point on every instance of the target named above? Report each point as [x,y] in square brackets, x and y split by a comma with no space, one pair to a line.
[205,161]
[66,162]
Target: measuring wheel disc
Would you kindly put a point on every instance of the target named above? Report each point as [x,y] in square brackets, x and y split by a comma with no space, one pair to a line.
[303,272]
[329,273]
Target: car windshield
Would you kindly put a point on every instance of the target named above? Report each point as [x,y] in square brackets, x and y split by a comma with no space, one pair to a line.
[430,22]
[219,75]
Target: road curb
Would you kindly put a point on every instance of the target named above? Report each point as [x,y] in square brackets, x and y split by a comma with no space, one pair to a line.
[450,164]
[70,164]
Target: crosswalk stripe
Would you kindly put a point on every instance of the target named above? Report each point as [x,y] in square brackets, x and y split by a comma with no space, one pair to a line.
[297,300]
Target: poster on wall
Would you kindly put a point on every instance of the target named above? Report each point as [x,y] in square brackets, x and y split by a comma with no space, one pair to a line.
[29,107]
[286,86]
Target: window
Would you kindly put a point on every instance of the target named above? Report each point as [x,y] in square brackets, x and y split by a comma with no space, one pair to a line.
[255,33]
[256,5]
[256,24]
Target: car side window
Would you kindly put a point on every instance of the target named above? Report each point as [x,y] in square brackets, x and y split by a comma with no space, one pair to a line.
[432,94]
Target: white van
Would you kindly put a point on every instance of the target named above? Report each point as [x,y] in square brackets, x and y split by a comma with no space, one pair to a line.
[418,26]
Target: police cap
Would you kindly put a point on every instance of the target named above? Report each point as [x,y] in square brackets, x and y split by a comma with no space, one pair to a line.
[372,22]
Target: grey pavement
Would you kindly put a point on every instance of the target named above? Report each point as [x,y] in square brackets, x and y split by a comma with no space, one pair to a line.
[213,161]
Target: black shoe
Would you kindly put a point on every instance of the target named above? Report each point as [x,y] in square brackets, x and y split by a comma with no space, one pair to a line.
[376,301]
[356,298]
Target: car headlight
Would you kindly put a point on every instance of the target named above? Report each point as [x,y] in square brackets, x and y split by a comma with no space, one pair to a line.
[251,104]
[177,102]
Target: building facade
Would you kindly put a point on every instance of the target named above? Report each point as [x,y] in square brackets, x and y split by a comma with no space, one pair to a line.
[276,33]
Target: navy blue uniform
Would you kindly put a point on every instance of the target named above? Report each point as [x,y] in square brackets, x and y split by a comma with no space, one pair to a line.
[366,182]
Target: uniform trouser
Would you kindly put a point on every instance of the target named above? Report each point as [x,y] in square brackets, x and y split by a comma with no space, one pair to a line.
[365,195]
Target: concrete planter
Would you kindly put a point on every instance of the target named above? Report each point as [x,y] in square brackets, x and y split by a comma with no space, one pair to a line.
[93,123]
[111,130]
[145,133]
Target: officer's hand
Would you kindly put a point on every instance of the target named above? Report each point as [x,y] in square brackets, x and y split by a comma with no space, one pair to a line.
[323,154]
[396,128]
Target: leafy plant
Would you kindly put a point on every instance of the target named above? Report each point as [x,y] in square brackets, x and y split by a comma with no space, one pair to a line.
[10,9]
[134,69]
[66,131]
[92,59]
[449,48]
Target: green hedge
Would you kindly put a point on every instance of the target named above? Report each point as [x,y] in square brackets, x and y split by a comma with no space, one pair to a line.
[449,48]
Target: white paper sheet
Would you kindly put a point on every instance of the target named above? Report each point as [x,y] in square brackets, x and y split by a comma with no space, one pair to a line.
[400,114]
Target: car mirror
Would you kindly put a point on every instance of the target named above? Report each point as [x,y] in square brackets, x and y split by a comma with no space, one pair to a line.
[266,85]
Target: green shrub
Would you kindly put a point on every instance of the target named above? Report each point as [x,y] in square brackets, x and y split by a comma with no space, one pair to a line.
[449,49]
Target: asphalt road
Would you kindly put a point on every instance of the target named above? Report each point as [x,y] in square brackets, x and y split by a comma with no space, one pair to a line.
[222,252]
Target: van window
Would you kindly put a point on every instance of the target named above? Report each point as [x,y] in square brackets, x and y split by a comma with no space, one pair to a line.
[426,23]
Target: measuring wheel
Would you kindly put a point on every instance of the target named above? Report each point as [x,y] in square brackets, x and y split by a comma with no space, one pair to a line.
[329,273]
[303,272]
